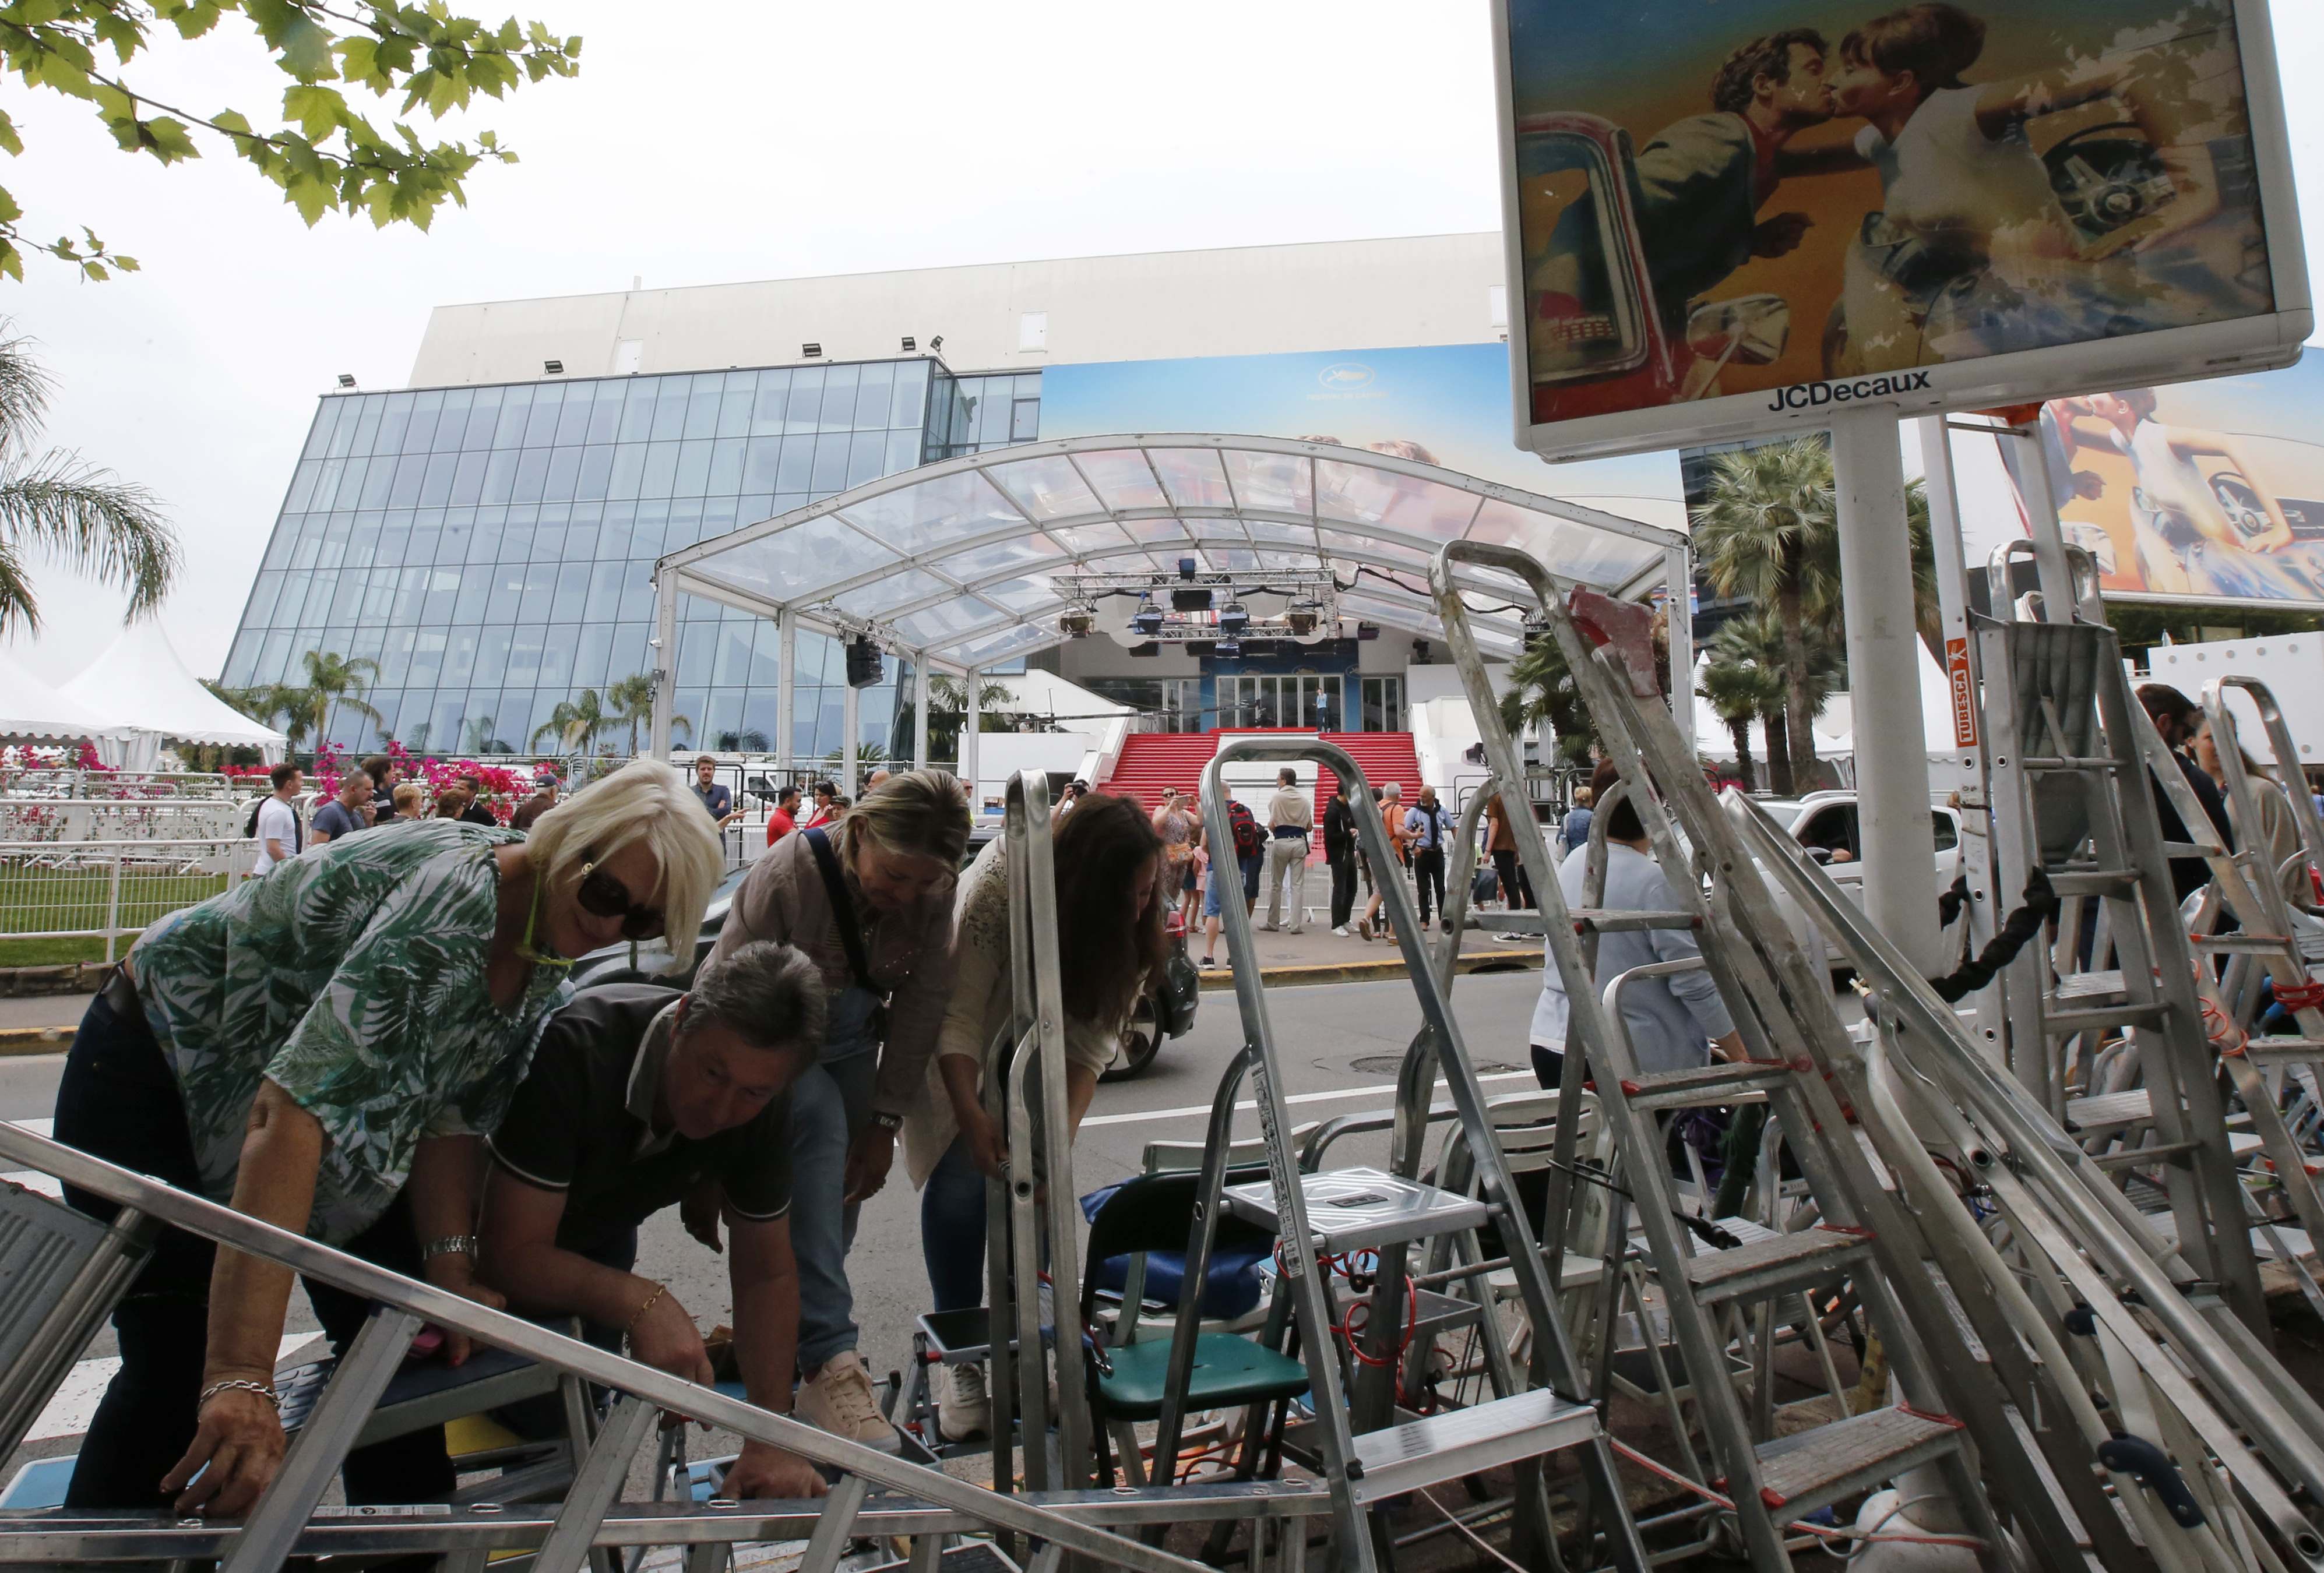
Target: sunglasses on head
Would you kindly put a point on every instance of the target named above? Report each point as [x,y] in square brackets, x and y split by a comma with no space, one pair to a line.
[605,896]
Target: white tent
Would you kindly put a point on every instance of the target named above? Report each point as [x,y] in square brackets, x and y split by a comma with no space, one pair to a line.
[140,684]
[30,708]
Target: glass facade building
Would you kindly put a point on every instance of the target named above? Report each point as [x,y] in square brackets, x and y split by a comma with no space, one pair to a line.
[492,549]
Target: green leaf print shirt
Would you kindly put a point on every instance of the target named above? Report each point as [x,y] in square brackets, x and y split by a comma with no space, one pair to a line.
[353,977]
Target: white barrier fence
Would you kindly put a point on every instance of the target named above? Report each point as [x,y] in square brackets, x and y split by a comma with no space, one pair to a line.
[77,820]
[108,890]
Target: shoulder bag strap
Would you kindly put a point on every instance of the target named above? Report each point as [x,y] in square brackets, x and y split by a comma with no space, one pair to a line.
[842,907]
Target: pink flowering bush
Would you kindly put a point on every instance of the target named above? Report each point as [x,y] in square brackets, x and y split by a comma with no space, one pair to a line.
[498,788]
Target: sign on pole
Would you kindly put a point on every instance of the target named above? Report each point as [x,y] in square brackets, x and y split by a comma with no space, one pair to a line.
[1728,218]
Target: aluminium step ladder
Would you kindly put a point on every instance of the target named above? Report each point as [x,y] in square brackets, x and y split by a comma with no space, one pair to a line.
[1366,1452]
[2075,763]
[1799,1060]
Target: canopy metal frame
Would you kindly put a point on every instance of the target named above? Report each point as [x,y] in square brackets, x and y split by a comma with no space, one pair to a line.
[937,536]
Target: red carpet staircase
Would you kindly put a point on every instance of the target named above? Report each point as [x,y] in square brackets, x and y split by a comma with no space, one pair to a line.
[1153,760]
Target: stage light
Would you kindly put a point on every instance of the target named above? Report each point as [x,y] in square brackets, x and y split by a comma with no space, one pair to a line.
[1227,648]
[1147,620]
[1186,568]
[1302,617]
[1233,618]
[1075,621]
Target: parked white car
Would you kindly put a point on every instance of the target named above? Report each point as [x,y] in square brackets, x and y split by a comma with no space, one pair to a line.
[1825,823]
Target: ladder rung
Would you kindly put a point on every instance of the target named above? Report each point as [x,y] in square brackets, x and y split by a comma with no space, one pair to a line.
[1607,921]
[1704,1086]
[2058,1022]
[2059,764]
[2263,1050]
[1809,1469]
[1786,1261]
[2093,881]
[2138,1157]
[1461,1442]
[2080,987]
[2110,1109]
[1508,922]
[2253,945]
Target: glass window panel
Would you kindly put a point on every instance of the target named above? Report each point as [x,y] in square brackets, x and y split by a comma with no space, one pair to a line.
[564,469]
[630,651]
[452,536]
[661,469]
[595,642]
[558,647]
[903,453]
[548,537]
[333,552]
[475,593]
[320,431]
[516,410]
[766,655]
[419,435]
[629,470]
[500,477]
[524,656]
[692,477]
[341,482]
[613,538]
[726,466]
[394,420]
[731,667]
[734,404]
[573,418]
[468,480]
[1019,552]
[1359,494]
[895,589]
[1025,420]
[1277,482]
[702,399]
[804,413]
[281,543]
[993,415]
[295,588]
[539,591]
[652,536]
[597,471]
[1571,551]
[306,539]
[459,658]
[865,453]
[443,589]
[1019,595]
[794,561]
[410,471]
[723,729]
[491,655]
[1094,538]
[547,405]
[759,463]
[436,484]
[531,473]
[1122,480]
[604,414]
[366,432]
[874,386]
[766,404]
[427,657]
[1166,533]
[697,649]
[572,592]
[636,412]
[928,513]
[605,591]
[798,465]
[907,405]
[638,592]
[379,480]
[516,539]
[264,591]
[839,385]
[274,659]
[451,422]
[987,649]
[316,606]
[830,473]
[1027,385]
[484,416]
[302,485]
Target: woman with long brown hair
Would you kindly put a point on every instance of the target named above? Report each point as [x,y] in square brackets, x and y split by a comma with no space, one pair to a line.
[1111,900]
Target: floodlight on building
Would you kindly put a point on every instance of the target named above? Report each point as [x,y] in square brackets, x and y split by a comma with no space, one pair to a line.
[910,343]
[1233,618]
[347,379]
[1147,620]
[554,368]
[937,343]
[810,351]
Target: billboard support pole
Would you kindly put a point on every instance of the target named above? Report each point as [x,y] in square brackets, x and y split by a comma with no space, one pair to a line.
[1678,564]
[2041,522]
[1884,663]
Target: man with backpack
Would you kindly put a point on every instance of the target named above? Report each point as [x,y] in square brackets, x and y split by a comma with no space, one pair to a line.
[1249,847]
[273,822]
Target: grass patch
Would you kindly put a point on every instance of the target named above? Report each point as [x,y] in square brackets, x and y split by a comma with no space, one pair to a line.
[34,900]
[56,952]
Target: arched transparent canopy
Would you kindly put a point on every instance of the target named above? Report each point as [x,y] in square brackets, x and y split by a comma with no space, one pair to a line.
[950,562]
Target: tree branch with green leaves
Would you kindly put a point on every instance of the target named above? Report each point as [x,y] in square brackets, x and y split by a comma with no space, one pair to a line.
[327,156]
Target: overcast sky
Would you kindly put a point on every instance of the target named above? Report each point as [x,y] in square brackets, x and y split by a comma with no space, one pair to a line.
[707,140]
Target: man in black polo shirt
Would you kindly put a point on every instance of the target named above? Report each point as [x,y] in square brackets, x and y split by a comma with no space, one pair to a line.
[637,1095]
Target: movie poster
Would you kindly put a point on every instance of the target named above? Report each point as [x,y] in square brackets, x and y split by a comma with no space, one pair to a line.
[2205,489]
[1725,196]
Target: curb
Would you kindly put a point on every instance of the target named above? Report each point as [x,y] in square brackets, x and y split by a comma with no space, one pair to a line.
[34,1040]
[1516,958]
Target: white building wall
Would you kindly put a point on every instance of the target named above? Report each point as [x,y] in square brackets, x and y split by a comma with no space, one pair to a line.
[1369,294]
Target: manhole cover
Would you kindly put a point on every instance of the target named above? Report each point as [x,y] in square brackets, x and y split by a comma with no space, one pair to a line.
[1389,1065]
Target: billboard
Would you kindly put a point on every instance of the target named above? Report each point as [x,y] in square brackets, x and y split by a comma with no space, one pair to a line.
[1728,216]
[2207,490]
[1442,404]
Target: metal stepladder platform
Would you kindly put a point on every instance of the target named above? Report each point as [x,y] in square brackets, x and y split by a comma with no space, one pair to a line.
[1798,1061]
[1364,1448]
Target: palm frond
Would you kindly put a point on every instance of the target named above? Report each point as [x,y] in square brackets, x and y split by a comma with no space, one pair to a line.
[25,389]
[98,525]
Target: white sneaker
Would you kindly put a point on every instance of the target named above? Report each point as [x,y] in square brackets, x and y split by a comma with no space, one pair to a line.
[838,1399]
[1341,931]
[963,1406]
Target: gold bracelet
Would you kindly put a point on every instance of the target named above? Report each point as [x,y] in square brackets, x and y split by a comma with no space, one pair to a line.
[659,1290]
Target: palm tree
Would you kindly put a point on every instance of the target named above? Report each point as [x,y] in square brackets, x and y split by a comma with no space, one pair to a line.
[630,700]
[1541,692]
[1738,695]
[1768,530]
[1755,642]
[575,722]
[337,682]
[948,712]
[52,503]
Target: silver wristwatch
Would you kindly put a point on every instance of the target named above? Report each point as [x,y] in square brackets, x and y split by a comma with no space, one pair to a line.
[449,1245]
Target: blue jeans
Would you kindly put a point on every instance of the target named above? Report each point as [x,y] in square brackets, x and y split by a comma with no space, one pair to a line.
[952,1230]
[830,1106]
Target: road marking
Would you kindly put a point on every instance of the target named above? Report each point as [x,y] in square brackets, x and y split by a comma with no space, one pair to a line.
[1194,1108]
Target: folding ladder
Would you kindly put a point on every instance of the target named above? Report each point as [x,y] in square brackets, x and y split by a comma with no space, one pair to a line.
[1367,1453]
[2071,756]
[1799,1061]
[2204,1437]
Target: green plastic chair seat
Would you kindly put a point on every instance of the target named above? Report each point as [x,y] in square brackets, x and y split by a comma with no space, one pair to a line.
[1229,1372]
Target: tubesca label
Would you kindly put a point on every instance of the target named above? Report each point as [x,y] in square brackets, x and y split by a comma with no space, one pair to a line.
[1964,692]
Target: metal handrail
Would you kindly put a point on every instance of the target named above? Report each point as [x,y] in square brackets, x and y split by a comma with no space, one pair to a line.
[238,1231]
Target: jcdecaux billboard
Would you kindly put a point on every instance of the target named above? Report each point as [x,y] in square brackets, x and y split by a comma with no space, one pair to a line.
[1728,216]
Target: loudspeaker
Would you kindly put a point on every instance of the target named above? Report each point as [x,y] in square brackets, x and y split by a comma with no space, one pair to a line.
[863,663]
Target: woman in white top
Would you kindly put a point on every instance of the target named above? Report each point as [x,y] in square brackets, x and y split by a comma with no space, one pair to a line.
[1111,899]
[1676,1022]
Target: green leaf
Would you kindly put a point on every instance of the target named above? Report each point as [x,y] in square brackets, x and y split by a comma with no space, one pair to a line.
[192,19]
[313,197]
[9,140]
[317,111]
[167,139]
[359,62]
